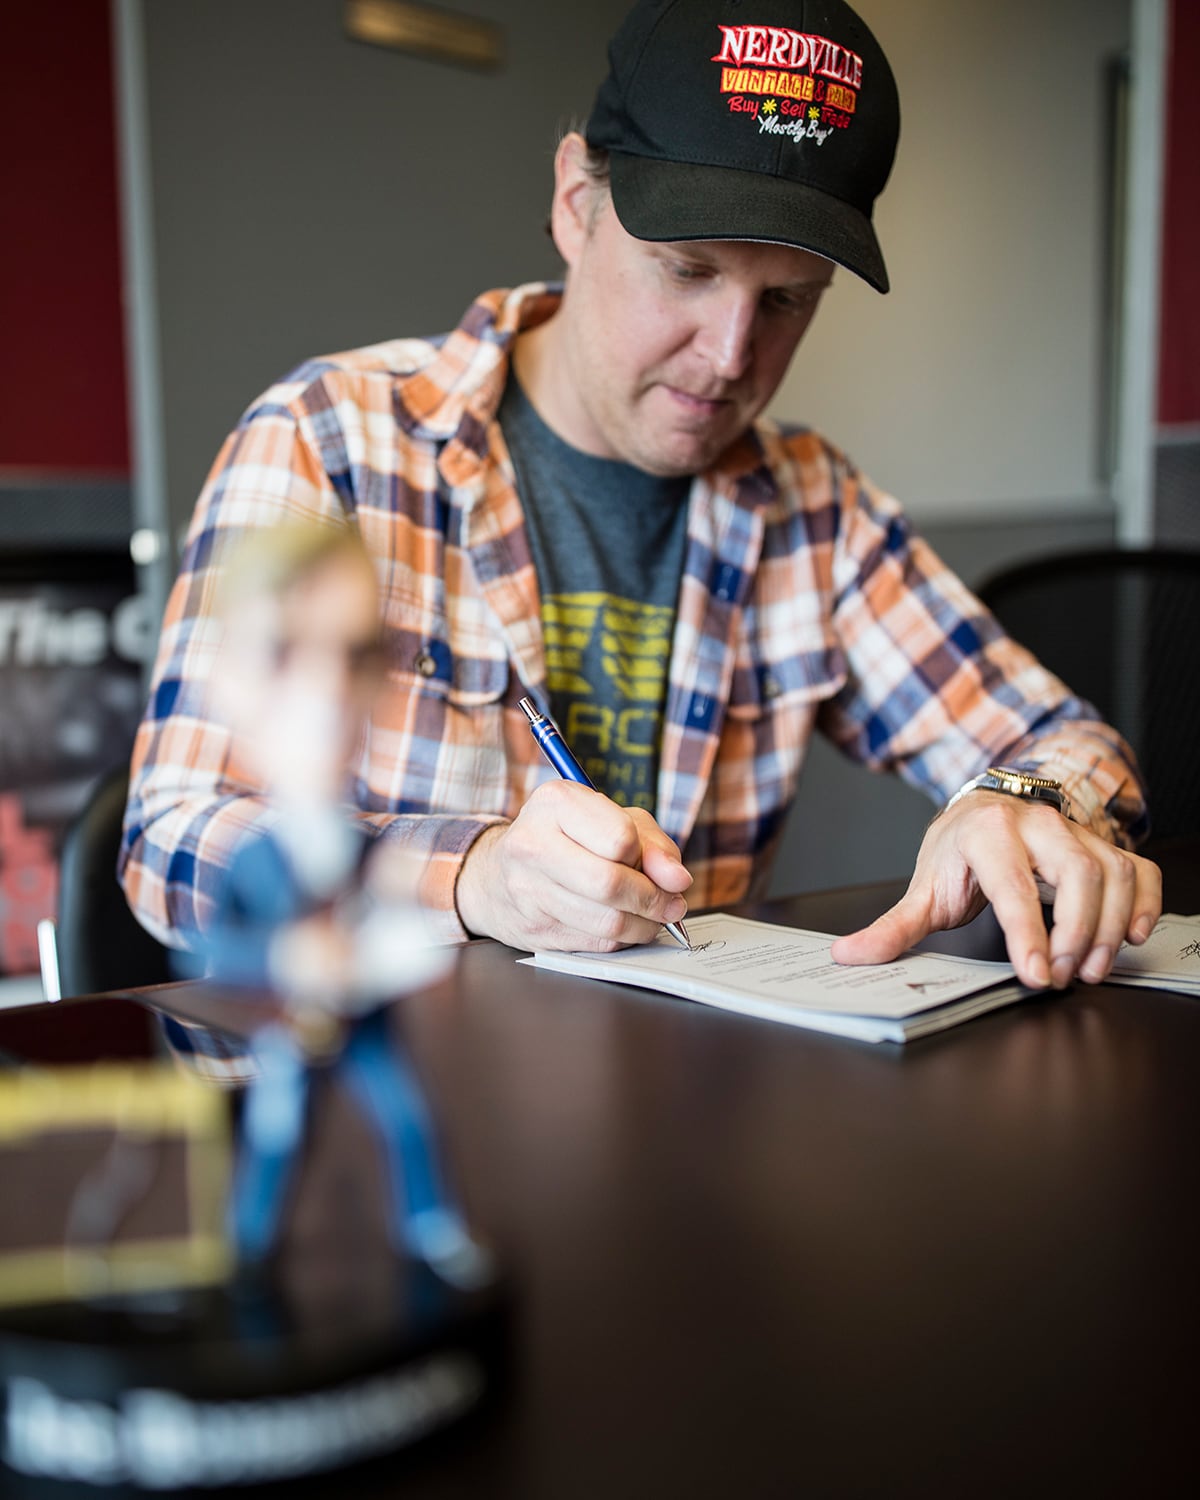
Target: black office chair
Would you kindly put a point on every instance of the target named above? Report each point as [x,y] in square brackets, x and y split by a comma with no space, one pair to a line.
[1122,629]
[98,944]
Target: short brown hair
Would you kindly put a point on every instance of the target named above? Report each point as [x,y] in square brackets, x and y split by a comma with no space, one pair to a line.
[595,164]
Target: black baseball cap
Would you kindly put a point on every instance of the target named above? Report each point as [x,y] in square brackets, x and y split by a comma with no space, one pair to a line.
[771,120]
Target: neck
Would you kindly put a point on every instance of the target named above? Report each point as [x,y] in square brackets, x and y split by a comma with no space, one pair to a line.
[541,358]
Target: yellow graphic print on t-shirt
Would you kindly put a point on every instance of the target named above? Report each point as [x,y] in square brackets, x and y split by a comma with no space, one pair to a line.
[606,664]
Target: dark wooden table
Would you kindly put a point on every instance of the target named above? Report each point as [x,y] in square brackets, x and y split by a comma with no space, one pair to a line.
[753,1261]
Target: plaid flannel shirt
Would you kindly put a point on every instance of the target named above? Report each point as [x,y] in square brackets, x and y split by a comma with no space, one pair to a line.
[806,603]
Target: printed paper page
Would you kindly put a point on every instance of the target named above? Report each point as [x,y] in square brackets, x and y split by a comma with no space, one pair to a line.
[1168,959]
[768,969]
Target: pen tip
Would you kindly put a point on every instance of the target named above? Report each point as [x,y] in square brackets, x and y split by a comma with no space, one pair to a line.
[679,932]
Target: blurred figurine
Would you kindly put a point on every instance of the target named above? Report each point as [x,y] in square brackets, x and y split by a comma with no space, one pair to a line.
[312,909]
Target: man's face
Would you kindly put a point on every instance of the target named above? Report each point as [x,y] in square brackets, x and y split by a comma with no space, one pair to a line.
[673,349]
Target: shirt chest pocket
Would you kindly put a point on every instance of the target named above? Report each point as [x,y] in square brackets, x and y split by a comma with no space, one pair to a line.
[425,663]
[436,739]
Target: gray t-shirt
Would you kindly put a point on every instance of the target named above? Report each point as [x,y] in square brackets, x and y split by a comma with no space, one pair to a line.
[608,543]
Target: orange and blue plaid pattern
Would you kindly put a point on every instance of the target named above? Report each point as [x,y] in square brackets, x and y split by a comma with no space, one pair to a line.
[807,603]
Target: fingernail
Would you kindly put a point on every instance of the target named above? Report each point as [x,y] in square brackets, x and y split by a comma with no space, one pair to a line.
[1063,971]
[1039,970]
[1095,965]
[1142,929]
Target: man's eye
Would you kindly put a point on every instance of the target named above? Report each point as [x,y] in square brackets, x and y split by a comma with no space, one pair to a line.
[794,302]
[679,271]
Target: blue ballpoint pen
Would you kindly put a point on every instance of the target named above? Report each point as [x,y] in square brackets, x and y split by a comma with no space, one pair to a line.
[556,750]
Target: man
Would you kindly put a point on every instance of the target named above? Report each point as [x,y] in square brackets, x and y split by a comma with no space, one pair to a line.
[575,498]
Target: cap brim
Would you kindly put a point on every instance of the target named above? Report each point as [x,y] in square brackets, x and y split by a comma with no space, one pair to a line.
[657,200]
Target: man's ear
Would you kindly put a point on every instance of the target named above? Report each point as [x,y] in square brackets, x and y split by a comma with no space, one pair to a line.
[574,197]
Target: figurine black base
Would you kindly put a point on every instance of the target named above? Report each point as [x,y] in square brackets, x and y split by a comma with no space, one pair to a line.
[234,1386]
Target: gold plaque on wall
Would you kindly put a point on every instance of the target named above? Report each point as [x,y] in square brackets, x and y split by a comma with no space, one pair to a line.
[425,30]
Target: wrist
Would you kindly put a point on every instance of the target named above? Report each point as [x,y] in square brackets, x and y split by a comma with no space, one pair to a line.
[471,888]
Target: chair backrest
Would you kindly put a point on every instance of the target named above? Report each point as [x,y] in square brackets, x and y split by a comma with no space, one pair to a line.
[1122,628]
[101,945]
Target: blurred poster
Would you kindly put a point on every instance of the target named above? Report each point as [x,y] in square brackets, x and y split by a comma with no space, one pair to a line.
[73,638]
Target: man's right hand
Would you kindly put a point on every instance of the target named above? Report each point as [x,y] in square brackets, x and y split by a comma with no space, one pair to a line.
[572,871]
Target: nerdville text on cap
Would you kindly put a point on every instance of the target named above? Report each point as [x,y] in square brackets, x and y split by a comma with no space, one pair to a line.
[770,120]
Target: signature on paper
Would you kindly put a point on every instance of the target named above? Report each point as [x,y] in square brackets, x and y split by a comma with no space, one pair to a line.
[714,945]
[1190,950]
[929,986]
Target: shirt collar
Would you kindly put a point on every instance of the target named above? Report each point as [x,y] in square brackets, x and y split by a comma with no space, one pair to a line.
[458,391]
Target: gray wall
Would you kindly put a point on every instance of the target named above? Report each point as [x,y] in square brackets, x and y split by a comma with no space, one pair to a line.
[981,379]
[311,194]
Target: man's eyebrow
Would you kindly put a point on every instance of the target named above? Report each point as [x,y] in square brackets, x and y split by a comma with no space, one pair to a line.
[816,284]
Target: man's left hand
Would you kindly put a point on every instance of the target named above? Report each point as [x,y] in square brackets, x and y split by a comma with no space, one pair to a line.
[993,847]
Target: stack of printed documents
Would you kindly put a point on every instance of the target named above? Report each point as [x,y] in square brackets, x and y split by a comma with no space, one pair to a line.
[1169,959]
[786,974]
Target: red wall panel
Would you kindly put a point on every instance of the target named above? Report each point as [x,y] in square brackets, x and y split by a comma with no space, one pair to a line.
[1179,339]
[62,364]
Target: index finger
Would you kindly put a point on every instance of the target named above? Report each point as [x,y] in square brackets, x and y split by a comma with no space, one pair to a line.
[1006,877]
[595,822]
[661,859]
[613,846]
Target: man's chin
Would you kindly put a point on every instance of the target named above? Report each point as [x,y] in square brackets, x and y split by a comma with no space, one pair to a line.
[695,459]
[683,454]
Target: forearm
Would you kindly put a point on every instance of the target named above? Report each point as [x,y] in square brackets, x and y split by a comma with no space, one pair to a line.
[438,845]
[937,691]
[1098,771]
[1028,719]
[183,829]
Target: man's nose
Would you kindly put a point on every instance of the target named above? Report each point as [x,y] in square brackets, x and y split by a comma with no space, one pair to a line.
[726,338]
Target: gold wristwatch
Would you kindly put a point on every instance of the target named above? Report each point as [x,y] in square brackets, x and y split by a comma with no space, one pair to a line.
[1015,783]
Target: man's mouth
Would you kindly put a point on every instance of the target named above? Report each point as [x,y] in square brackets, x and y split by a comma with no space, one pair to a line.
[704,406]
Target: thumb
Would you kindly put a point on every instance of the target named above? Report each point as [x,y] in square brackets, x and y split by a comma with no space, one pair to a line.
[888,936]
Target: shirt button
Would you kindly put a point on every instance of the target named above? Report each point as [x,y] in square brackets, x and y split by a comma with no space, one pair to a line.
[425,664]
